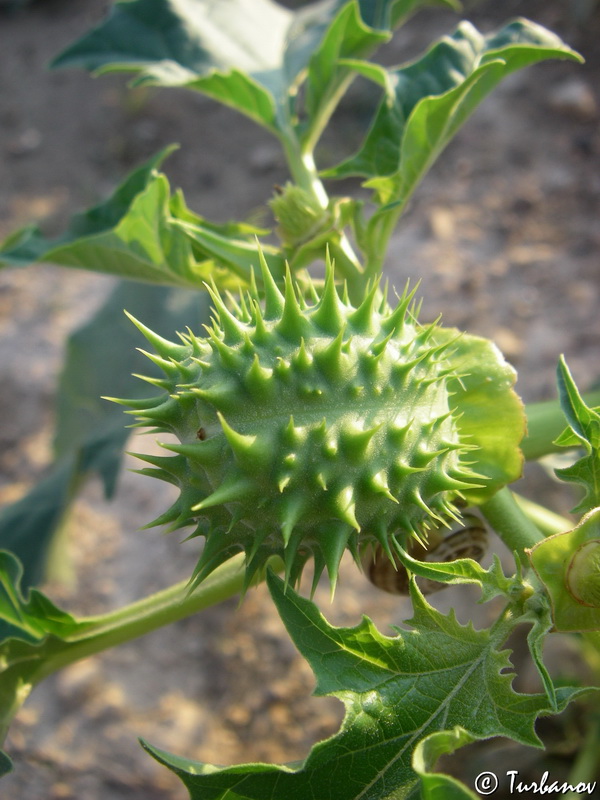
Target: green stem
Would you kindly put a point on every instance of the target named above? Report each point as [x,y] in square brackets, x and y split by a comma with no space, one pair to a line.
[587,765]
[347,265]
[511,524]
[503,626]
[547,521]
[304,172]
[378,239]
[302,168]
[95,634]
[545,422]
[328,106]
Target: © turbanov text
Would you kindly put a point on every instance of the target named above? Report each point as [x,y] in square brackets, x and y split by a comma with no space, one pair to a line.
[547,786]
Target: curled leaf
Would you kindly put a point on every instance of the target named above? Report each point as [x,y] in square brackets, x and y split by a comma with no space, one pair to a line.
[568,564]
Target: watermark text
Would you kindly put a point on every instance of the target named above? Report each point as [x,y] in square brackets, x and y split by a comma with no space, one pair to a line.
[486,783]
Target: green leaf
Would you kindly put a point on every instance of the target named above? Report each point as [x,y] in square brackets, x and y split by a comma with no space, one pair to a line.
[33,618]
[429,99]
[491,413]
[437,786]
[356,32]
[248,54]
[231,50]
[227,253]
[396,691]
[101,357]
[41,638]
[132,235]
[91,432]
[568,564]
[583,431]
[538,611]
[27,526]
[492,581]
[27,624]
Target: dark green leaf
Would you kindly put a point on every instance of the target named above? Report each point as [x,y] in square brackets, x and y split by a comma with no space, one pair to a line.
[396,695]
[101,357]
[583,431]
[231,50]
[357,31]
[28,526]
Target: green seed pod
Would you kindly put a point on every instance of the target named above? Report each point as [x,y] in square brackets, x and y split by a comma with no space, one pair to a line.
[583,574]
[308,427]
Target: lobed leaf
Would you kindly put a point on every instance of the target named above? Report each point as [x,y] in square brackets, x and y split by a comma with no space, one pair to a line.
[492,581]
[356,32]
[397,692]
[437,786]
[231,50]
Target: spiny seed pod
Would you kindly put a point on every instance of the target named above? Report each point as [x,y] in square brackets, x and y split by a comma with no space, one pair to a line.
[464,539]
[308,427]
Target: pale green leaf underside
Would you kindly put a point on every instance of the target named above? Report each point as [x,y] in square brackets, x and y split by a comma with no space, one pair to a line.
[129,235]
[231,49]
[492,581]
[397,692]
[490,412]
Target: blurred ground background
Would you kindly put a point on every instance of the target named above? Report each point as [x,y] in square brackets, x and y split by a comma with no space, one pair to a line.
[504,235]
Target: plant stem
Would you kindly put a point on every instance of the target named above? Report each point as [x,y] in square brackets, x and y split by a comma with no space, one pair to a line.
[92,635]
[380,231]
[511,524]
[587,765]
[304,172]
[547,521]
[545,422]
[95,634]
[302,168]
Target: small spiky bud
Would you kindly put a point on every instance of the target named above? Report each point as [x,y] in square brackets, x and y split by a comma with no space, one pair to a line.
[299,215]
[308,427]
